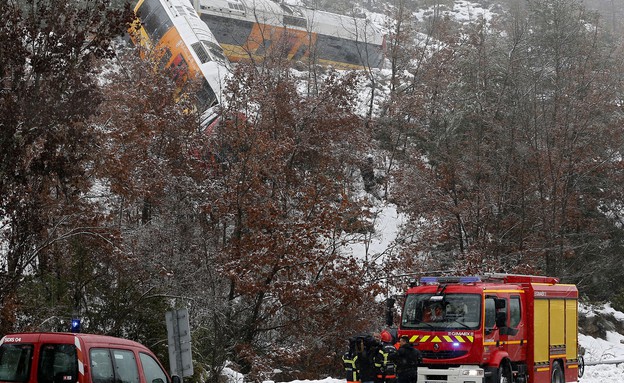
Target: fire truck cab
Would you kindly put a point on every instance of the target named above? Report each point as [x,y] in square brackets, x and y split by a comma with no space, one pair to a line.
[499,328]
[77,358]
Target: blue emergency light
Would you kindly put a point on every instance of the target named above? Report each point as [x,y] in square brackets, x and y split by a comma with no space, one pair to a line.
[75,325]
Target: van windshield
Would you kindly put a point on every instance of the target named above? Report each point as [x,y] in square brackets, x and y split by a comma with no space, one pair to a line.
[15,362]
[442,312]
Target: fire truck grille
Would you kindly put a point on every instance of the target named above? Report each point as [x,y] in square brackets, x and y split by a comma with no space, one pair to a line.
[442,354]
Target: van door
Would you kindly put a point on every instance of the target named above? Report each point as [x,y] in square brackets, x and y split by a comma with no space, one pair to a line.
[58,363]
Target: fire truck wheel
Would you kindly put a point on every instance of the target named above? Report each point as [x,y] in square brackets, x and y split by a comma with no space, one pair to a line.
[581,366]
[557,374]
[503,373]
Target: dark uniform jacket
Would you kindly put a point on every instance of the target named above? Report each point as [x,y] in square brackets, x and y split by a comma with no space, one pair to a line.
[385,362]
[407,361]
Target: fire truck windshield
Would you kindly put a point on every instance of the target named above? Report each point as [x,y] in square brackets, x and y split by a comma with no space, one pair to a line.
[443,312]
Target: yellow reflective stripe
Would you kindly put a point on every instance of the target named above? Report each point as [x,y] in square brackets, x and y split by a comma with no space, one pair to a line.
[504,291]
[445,338]
[502,342]
[543,369]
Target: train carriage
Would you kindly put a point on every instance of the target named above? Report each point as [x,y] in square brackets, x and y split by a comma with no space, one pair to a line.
[249,29]
[187,45]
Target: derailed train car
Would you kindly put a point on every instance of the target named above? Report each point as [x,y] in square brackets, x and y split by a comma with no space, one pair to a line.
[249,29]
[188,47]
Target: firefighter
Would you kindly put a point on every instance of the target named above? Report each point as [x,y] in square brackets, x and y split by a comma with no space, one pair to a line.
[437,313]
[358,360]
[407,360]
[366,359]
[349,361]
[385,359]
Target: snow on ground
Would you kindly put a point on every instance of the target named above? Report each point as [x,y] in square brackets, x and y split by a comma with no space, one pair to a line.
[387,221]
[601,351]
[597,350]
[462,11]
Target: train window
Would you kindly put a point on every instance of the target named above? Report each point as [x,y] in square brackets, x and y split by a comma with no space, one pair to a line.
[179,69]
[155,19]
[191,11]
[338,50]
[373,53]
[348,51]
[295,21]
[286,8]
[215,50]
[206,96]
[146,9]
[228,31]
[236,7]
[200,51]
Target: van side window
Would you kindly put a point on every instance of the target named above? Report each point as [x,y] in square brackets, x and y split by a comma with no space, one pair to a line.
[15,362]
[58,364]
[126,369]
[113,366]
[152,370]
[101,366]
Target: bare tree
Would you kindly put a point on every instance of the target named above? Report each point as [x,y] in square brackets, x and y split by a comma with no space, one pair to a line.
[49,90]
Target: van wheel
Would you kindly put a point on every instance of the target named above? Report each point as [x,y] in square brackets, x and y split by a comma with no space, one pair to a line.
[557,374]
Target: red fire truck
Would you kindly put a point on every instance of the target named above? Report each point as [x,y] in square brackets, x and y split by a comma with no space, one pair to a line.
[77,358]
[499,328]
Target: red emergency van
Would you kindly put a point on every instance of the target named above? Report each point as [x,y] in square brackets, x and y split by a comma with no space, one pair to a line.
[77,358]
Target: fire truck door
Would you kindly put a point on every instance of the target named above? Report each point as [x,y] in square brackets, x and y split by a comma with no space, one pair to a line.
[512,330]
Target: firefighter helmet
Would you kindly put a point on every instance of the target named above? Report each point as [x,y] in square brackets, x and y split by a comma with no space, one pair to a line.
[386,336]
